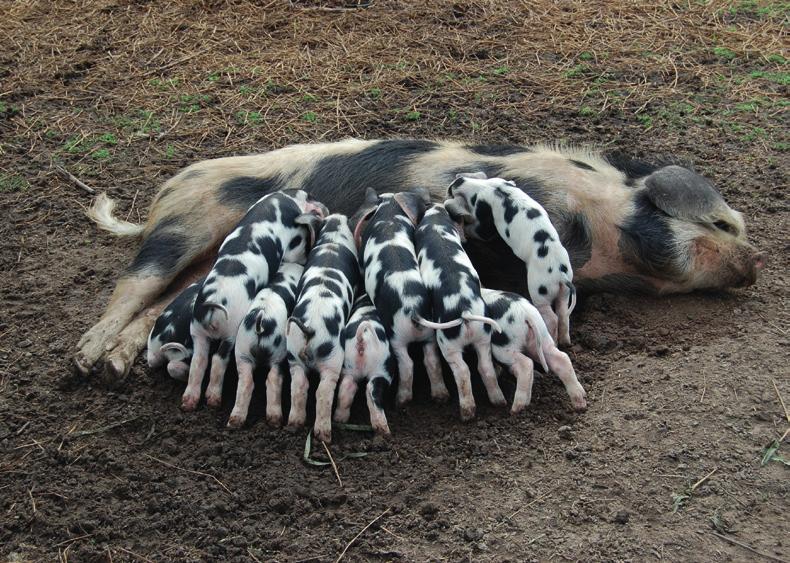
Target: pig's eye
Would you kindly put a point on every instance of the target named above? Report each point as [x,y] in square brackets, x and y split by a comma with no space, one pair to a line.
[725,226]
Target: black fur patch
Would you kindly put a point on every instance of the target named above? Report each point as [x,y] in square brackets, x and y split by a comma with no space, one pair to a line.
[542,236]
[340,180]
[324,349]
[161,251]
[582,165]
[378,386]
[486,228]
[243,191]
[533,213]
[296,241]
[563,268]
[229,267]
[268,326]
[632,168]
[225,349]
[251,287]
[576,237]
[543,290]
[647,242]
[497,150]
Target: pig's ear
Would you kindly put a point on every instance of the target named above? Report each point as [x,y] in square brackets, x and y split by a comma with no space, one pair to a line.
[424,195]
[480,175]
[459,211]
[361,224]
[316,207]
[412,204]
[371,197]
[681,193]
[313,223]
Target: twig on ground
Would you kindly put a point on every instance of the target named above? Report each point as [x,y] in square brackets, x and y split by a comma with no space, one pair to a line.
[698,483]
[132,553]
[76,181]
[204,474]
[102,429]
[784,407]
[362,531]
[332,461]
[32,500]
[750,548]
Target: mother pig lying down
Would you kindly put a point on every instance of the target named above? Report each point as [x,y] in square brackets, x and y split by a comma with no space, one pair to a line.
[627,224]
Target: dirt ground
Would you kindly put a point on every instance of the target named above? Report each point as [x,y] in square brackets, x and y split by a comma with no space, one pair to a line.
[667,463]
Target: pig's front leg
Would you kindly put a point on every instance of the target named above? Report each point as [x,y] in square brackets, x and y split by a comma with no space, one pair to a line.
[405,372]
[274,394]
[244,389]
[463,381]
[323,402]
[299,388]
[197,368]
[377,385]
[485,366]
[433,366]
[345,396]
[219,365]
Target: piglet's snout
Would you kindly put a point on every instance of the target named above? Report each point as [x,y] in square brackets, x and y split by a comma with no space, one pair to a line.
[752,263]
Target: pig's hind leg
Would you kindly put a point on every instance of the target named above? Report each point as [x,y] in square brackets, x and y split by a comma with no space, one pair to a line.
[485,366]
[374,392]
[433,366]
[197,369]
[299,388]
[244,388]
[560,364]
[324,396]
[345,396]
[405,373]
[219,365]
[274,394]
[463,381]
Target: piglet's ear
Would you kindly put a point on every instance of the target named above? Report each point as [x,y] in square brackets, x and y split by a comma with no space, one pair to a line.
[424,195]
[479,175]
[412,205]
[371,197]
[316,207]
[312,221]
[360,227]
[681,193]
[459,211]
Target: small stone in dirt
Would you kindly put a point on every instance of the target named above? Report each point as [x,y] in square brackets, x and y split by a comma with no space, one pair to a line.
[621,517]
[571,454]
[24,344]
[428,510]
[565,432]
[473,534]
[659,351]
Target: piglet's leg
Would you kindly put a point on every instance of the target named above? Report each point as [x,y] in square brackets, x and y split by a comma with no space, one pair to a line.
[299,387]
[405,372]
[563,336]
[375,397]
[243,393]
[434,368]
[197,369]
[463,381]
[560,364]
[488,374]
[550,318]
[219,364]
[345,396]
[523,369]
[274,395]
[323,403]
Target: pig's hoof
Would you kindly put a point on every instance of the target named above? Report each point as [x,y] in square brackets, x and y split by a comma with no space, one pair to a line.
[116,369]
[235,421]
[274,420]
[579,402]
[441,396]
[213,400]
[295,421]
[189,403]
[341,416]
[381,428]
[403,398]
[467,413]
[498,400]
[323,433]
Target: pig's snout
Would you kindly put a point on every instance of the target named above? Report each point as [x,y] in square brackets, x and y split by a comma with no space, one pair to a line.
[755,262]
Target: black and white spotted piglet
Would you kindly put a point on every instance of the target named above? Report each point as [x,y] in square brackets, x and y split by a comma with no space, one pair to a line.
[454,287]
[275,229]
[367,358]
[261,341]
[523,330]
[316,325]
[170,341]
[385,234]
[494,205]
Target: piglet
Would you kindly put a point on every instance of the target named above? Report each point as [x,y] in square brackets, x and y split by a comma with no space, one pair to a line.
[170,341]
[523,330]
[491,206]
[454,288]
[276,228]
[316,325]
[261,341]
[367,358]
[384,232]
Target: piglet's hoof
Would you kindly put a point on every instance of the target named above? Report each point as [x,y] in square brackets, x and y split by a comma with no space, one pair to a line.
[235,421]
[116,369]
[213,400]
[579,402]
[467,413]
[189,403]
[275,420]
[323,433]
[441,397]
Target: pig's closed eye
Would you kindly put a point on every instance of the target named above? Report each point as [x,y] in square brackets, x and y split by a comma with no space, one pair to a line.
[725,226]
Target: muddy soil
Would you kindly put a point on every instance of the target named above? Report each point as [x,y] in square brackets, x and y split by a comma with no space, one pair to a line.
[667,463]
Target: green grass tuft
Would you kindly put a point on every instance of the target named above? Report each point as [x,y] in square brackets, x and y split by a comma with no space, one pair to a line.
[724,53]
[587,111]
[310,116]
[413,115]
[13,183]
